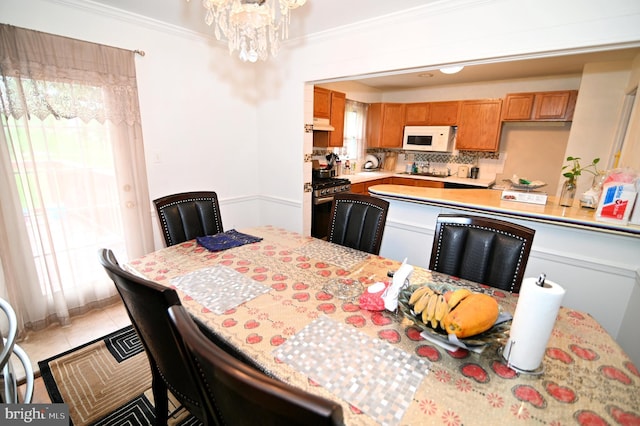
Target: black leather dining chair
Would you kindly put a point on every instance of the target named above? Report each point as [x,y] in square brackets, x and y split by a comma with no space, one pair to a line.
[481,249]
[146,303]
[358,221]
[188,215]
[239,395]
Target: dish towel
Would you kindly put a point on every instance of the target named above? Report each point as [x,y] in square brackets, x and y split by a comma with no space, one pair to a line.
[226,240]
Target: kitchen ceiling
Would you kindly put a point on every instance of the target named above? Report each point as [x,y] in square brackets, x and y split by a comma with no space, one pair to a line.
[321,15]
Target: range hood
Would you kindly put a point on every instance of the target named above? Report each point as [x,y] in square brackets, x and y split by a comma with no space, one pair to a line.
[322,124]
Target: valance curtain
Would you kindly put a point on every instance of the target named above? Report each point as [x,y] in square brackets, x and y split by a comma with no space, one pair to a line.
[73,172]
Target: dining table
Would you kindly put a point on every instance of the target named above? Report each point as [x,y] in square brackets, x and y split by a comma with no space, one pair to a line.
[292,304]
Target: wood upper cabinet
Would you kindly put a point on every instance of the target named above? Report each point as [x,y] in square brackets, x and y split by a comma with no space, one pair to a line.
[540,106]
[385,125]
[444,113]
[479,125]
[338,102]
[431,113]
[329,104]
[321,102]
[417,114]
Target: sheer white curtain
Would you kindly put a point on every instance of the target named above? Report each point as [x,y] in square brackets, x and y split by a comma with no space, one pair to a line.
[355,122]
[73,174]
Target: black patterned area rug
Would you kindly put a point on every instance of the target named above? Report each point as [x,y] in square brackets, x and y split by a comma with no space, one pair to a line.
[107,382]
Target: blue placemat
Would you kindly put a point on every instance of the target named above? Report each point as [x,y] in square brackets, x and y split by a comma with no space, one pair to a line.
[226,240]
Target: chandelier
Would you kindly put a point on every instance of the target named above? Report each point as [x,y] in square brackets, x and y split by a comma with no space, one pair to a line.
[252,27]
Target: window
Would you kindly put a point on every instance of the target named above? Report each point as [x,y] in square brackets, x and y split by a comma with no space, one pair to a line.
[354,130]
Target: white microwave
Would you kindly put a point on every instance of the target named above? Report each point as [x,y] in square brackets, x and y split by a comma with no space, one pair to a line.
[428,138]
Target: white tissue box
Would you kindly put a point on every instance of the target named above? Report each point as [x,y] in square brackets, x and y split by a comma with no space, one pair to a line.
[531,197]
[616,203]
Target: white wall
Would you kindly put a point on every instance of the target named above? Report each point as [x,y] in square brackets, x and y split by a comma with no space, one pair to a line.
[595,120]
[630,155]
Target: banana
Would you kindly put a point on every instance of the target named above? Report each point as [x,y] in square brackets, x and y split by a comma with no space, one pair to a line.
[434,321]
[431,308]
[442,309]
[415,296]
[421,304]
[457,296]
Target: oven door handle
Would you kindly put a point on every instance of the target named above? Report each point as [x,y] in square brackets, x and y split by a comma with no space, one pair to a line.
[322,200]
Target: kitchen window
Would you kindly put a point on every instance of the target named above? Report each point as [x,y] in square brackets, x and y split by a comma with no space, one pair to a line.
[355,118]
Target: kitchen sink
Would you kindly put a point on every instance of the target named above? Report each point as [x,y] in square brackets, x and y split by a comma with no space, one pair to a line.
[429,174]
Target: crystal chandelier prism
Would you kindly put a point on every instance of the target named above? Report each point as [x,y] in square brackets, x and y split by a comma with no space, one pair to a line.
[254,28]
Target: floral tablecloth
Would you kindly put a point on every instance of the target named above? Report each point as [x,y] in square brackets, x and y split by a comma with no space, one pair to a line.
[587,378]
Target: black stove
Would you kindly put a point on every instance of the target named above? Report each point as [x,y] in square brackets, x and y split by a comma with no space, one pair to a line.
[324,190]
[327,187]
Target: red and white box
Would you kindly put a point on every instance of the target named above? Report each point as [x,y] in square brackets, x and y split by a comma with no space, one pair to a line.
[616,202]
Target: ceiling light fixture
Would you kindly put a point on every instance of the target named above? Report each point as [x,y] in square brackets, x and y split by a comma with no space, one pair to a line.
[451,70]
[252,27]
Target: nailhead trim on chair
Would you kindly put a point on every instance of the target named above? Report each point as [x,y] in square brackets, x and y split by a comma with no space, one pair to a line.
[174,391]
[333,219]
[484,228]
[163,218]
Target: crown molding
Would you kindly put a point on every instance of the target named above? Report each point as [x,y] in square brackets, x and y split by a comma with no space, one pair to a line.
[133,18]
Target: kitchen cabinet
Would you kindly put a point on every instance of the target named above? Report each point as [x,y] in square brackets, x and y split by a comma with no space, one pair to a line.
[363,187]
[425,183]
[329,104]
[385,125]
[444,113]
[321,102]
[338,102]
[357,188]
[540,106]
[417,114]
[431,113]
[479,125]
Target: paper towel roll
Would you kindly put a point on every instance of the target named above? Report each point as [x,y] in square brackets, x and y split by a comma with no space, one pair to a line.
[532,324]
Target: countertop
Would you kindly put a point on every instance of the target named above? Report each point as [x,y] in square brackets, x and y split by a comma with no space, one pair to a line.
[489,201]
[368,176]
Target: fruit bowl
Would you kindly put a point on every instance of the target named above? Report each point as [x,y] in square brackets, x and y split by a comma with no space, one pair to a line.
[525,185]
[499,331]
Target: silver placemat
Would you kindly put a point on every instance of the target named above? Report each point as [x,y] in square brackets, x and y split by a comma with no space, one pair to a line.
[344,257]
[371,374]
[219,288]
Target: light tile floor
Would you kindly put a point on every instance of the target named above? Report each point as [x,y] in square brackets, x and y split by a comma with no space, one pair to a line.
[54,339]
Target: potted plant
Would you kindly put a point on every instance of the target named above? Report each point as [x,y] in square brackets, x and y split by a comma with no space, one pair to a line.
[574,171]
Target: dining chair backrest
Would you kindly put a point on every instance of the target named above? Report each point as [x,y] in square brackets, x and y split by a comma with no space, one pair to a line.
[240,395]
[358,221]
[481,249]
[146,304]
[188,215]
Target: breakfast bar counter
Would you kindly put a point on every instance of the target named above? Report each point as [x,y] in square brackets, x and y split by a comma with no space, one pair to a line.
[489,201]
